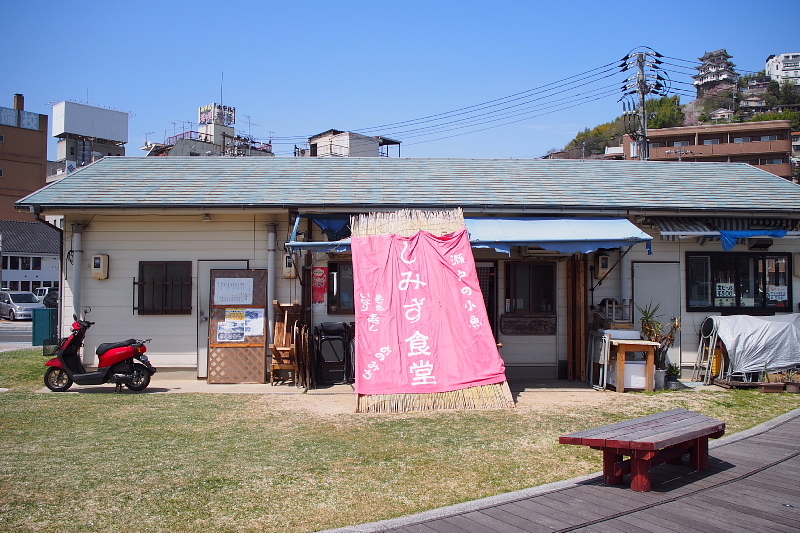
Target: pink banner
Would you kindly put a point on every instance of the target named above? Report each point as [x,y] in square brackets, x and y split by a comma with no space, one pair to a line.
[421,323]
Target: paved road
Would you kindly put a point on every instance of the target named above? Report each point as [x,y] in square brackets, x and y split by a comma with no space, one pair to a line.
[18,331]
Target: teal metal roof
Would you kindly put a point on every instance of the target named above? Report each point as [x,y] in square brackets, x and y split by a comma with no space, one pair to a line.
[315,183]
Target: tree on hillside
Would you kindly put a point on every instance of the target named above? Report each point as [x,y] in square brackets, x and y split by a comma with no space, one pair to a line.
[664,112]
[789,93]
[794,116]
[595,140]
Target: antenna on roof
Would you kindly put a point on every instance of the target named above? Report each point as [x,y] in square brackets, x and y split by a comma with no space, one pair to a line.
[221,83]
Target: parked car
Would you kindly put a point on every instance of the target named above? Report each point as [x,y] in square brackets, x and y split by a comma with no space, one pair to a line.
[42,292]
[51,300]
[18,304]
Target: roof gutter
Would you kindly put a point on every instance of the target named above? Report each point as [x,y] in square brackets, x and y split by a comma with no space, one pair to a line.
[607,210]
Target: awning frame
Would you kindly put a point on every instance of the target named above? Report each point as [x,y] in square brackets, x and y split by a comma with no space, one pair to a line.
[571,234]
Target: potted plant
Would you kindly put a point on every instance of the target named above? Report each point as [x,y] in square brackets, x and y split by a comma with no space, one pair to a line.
[656,331]
[673,372]
[765,385]
[791,384]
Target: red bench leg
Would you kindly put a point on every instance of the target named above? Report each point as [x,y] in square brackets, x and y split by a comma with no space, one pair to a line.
[698,454]
[641,462]
[611,458]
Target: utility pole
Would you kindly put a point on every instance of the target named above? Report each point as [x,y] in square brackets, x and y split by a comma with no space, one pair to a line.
[643,89]
[642,84]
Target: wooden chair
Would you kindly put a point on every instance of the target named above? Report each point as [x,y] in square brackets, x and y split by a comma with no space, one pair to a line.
[283,349]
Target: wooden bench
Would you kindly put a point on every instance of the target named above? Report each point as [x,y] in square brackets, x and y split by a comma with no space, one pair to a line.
[650,440]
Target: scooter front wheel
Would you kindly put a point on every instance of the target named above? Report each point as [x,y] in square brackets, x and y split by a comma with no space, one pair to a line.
[57,380]
[141,378]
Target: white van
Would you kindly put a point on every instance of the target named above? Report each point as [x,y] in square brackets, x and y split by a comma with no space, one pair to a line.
[41,292]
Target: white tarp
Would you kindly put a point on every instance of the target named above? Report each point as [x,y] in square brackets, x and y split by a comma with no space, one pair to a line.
[754,342]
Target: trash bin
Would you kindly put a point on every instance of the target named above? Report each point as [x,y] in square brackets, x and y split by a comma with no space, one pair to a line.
[45,326]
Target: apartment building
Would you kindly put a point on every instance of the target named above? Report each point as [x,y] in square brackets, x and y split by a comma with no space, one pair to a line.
[766,145]
[23,156]
[784,67]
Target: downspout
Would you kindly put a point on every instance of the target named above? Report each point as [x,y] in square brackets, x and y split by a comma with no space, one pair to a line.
[625,288]
[77,259]
[272,267]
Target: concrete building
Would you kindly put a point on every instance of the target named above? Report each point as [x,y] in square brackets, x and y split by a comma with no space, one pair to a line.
[766,145]
[216,136]
[87,133]
[784,67]
[30,255]
[23,156]
[337,143]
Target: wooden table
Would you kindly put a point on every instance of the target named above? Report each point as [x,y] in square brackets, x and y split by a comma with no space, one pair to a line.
[648,441]
[620,347]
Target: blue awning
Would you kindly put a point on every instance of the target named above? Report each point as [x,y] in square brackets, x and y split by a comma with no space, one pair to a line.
[567,235]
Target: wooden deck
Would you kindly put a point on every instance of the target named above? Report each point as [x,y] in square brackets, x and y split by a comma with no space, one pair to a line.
[751,485]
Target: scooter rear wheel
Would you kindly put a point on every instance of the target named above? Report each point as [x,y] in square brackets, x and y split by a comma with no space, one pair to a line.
[57,380]
[141,378]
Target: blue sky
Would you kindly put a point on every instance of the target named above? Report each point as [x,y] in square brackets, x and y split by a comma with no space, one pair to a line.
[296,69]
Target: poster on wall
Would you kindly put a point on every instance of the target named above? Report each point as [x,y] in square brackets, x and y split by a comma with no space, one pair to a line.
[232,331]
[233,291]
[253,322]
[421,324]
[319,288]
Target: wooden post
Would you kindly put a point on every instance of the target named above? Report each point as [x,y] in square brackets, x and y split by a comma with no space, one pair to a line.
[571,326]
[610,460]
[698,454]
[581,335]
[641,463]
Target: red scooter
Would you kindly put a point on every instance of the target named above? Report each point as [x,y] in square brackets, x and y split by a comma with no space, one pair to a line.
[121,363]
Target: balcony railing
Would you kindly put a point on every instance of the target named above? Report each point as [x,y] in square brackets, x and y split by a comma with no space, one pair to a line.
[699,151]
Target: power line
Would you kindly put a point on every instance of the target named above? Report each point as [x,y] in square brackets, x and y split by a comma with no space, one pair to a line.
[543,100]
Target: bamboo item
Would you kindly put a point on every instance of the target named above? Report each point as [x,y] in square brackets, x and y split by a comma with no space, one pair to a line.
[407,223]
[495,396]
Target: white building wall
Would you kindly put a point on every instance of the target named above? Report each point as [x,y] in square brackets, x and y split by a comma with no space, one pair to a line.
[691,322]
[784,67]
[162,238]
[362,146]
[49,273]
[347,144]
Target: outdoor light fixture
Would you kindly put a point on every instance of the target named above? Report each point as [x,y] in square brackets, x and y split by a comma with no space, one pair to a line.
[206,218]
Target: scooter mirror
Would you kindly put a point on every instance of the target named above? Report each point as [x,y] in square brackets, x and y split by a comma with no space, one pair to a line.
[87,310]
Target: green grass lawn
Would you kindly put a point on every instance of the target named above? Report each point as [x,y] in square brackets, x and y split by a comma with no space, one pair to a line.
[243,462]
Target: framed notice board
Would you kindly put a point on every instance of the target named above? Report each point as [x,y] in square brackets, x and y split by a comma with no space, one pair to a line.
[237,330]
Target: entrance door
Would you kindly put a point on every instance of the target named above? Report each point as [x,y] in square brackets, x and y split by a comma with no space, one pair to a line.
[204,269]
[488,280]
[659,284]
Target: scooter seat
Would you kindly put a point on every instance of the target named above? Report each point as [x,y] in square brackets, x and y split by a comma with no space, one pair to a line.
[106,346]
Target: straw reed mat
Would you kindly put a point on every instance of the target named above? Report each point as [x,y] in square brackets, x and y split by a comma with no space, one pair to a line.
[406,223]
